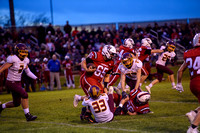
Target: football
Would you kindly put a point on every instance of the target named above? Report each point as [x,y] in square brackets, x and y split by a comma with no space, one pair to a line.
[91,65]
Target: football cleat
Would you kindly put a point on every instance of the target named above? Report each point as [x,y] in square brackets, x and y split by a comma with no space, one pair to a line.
[1,109]
[148,89]
[88,117]
[191,115]
[73,85]
[30,117]
[174,87]
[68,86]
[76,100]
[192,130]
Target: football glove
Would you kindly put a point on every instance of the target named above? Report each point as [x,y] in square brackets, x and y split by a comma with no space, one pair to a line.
[118,111]
[179,87]
[124,95]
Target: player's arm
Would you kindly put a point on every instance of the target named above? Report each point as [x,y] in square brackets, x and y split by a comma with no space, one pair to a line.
[5,66]
[123,78]
[84,65]
[29,73]
[138,79]
[130,113]
[156,51]
[179,86]
[106,80]
[180,72]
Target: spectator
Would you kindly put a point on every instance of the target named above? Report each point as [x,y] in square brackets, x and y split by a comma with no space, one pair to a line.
[50,28]
[51,47]
[54,67]
[68,29]
[75,32]
[41,34]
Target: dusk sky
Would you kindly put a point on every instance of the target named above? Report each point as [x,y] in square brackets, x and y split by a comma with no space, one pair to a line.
[106,11]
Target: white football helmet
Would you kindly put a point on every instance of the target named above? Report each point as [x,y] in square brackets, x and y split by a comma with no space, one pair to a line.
[146,42]
[66,57]
[129,43]
[109,51]
[196,40]
[45,59]
[36,60]
[143,97]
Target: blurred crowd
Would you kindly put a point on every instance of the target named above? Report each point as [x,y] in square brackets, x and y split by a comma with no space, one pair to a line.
[76,43]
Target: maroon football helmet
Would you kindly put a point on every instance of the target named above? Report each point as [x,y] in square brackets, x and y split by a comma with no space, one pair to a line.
[94,92]
[21,51]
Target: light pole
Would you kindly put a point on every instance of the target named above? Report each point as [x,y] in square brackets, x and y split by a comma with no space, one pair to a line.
[51,9]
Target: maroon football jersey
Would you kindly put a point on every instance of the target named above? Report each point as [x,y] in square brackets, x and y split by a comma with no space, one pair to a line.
[143,54]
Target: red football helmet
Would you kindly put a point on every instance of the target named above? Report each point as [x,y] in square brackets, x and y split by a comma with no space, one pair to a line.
[21,50]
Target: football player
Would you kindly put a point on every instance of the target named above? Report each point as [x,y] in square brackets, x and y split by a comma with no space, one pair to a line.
[161,67]
[46,73]
[192,62]
[143,52]
[15,65]
[100,104]
[103,60]
[67,65]
[130,68]
[136,104]
[128,46]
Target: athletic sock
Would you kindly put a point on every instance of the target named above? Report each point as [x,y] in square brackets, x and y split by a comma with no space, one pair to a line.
[150,85]
[26,110]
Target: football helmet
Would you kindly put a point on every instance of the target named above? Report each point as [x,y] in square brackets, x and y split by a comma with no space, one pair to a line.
[143,97]
[66,57]
[127,60]
[146,42]
[45,59]
[36,60]
[94,92]
[170,46]
[21,50]
[109,51]
[129,43]
[196,40]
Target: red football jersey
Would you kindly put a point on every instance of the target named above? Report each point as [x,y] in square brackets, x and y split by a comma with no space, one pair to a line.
[192,58]
[67,65]
[102,66]
[123,50]
[143,54]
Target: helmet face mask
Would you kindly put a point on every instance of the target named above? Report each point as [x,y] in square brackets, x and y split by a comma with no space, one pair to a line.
[129,43]
[94,92]
[127,60]
[171,46]
[196,40]
[109,52]
[21,51]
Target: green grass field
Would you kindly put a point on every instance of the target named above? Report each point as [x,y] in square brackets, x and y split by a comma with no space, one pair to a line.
[56,113]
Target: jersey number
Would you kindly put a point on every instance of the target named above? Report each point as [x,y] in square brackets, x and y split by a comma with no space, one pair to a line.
[100,71]
[99,106]
[21,68]
[195,66]
[165,57]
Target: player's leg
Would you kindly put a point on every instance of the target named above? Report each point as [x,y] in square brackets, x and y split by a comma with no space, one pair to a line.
[52,75]
[171,75]
[145,74]
[72,79]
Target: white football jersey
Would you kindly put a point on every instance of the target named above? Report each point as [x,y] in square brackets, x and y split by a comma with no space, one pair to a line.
[99,108]
[15,71]
[137,64]
[164,56]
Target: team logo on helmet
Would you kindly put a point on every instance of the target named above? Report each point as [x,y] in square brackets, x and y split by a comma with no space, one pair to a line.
[129,43]
[94,91]
[196,40]
[170,46]
[109,51]
[21,50]
[127,60]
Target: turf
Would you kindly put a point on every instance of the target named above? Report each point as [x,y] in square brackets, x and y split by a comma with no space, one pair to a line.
[56,113]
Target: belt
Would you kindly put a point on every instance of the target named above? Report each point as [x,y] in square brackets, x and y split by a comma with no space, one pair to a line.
[13,81]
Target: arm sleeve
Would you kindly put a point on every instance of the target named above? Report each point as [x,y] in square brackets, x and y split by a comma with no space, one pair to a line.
[30,74]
